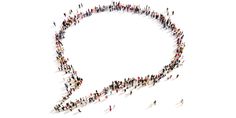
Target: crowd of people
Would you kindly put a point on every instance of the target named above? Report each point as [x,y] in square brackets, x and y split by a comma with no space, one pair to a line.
[73,81]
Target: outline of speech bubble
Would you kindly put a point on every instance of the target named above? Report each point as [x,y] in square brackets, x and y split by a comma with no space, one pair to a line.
[73,82]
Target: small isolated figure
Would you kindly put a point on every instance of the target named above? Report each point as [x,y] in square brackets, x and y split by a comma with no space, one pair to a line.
[54,24]
[130,92]
[177,76]
[155,102]
[182,101]
[169,77]
[110,108]
[167,11]
[173,12]
[79,110]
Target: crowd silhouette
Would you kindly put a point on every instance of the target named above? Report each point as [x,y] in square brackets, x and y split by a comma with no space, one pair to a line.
[73,81]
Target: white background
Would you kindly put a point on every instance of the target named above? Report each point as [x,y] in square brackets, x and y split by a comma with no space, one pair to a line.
[31,85]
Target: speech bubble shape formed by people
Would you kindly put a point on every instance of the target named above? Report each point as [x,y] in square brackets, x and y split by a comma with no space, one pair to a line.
[73,81]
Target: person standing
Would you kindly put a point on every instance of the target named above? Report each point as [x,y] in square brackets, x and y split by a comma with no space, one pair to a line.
[177,76]
[167,11]
[110,108]
[182,101]
[154,102]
